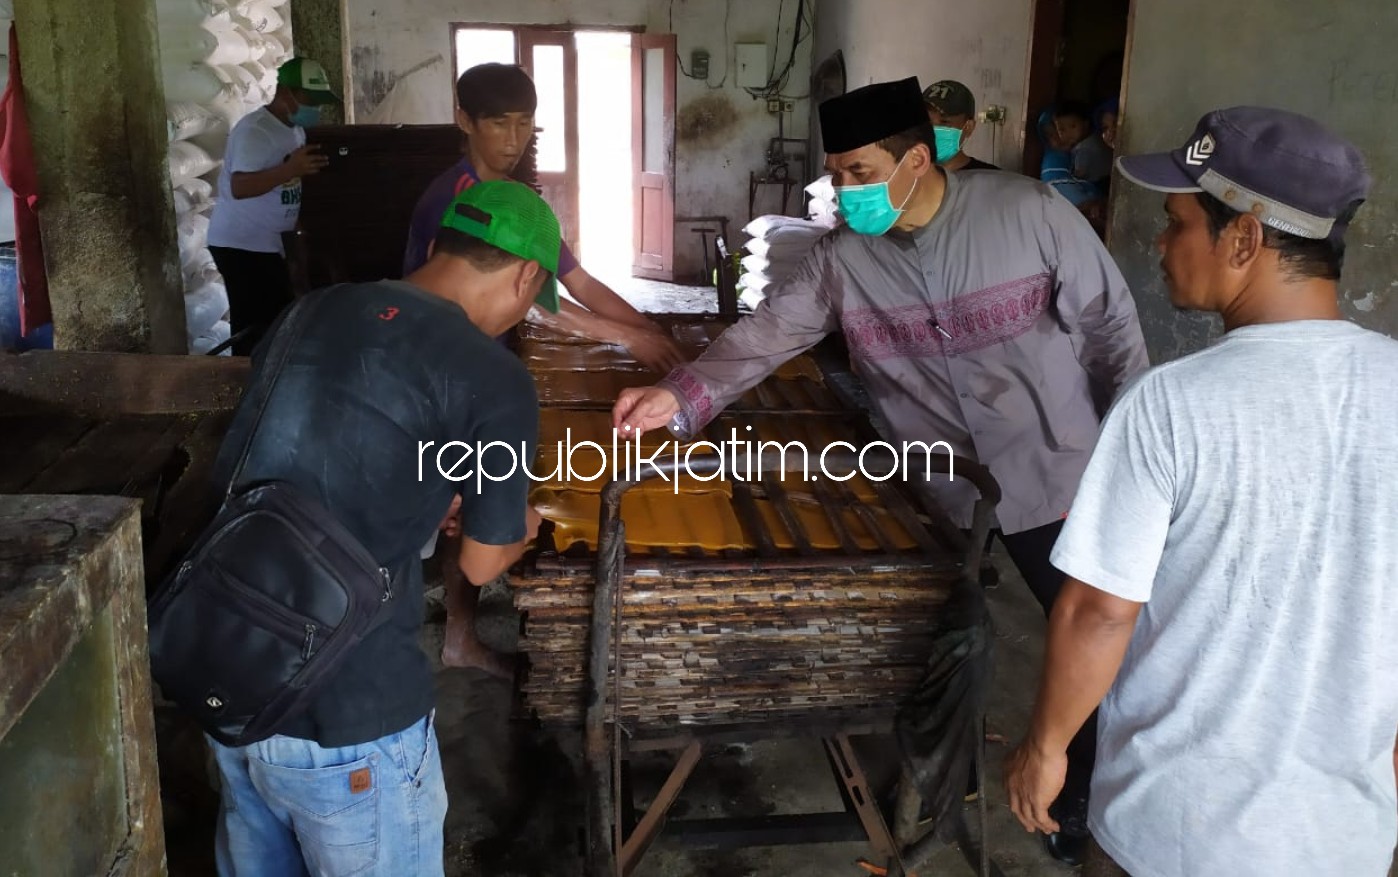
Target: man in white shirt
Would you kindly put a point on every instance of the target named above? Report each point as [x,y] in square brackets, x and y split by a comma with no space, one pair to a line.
[1232,551]
[259,198]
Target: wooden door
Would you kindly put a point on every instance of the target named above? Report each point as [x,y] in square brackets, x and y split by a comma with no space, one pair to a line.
[551,59]
[1045,59]
[653,65]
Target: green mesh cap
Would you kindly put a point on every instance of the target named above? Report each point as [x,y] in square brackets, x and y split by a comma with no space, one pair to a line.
[512,217]
[310,77]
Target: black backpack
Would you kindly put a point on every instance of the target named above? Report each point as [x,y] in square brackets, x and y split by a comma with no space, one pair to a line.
[267,602]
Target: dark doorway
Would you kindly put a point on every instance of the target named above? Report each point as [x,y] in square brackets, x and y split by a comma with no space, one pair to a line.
[1078,53]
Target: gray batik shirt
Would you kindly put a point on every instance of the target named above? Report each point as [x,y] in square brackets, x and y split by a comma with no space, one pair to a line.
[1037,313]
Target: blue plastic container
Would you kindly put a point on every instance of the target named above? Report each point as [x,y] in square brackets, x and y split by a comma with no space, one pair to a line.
[40,339]
[9,299]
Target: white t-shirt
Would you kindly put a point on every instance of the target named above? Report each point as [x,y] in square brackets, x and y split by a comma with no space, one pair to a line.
[1247,495]
[259,141]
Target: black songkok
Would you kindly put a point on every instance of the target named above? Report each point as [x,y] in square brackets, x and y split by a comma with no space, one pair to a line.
[869,114]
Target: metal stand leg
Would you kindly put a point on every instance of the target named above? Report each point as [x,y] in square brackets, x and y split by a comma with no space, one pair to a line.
[980,801]
[915,854]
[866,807]
[650,824]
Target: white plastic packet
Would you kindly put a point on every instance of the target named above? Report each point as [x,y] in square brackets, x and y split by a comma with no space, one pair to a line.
[202,344]
[260,17]
[186,120]
[230,46]
[755,264]
[192,232]
[194,83]
[204,307]
[188,161]
[823,188]
[755,282]
[762,226]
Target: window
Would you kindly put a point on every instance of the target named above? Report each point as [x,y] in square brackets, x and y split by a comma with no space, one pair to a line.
[482,45]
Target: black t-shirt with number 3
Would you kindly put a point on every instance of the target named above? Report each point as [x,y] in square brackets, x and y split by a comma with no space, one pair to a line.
[383,378]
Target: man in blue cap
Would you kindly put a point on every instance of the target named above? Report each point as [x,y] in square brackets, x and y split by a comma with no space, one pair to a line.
[1232,550]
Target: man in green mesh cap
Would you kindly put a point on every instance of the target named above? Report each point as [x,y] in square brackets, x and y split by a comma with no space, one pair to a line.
[259,198]
[383,408]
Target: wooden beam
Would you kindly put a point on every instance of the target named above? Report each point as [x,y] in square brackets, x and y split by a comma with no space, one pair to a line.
[649,827]
[110,384]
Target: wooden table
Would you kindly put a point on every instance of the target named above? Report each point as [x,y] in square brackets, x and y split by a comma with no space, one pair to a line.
[113,424]
[105,482]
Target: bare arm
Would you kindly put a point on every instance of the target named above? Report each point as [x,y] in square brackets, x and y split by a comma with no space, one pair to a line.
[1093,301]
[1088,633]
[250,184]
[481,564]
[601,299]
[793,318]
[651,346]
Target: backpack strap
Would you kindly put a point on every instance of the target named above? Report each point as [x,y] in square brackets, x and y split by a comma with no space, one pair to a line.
[278,350]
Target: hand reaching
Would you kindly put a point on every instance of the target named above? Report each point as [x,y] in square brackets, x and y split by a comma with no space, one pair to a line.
[1033,780]
[307,160]
[641,409]
[655,350]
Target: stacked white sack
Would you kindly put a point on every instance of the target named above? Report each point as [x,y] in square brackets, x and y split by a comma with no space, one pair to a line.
[218,60]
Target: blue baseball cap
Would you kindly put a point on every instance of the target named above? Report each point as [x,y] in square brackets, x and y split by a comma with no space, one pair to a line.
[1289,170]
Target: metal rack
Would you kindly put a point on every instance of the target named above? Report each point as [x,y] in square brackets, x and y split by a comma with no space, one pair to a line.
[678,646]
[617,839]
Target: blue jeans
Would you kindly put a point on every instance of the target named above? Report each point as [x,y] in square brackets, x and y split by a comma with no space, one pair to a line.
[291,808]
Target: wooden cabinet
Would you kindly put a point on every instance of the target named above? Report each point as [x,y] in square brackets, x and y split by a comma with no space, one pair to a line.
[355,212]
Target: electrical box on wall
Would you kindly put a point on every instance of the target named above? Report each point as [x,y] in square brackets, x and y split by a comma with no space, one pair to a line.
[699,64]
[752,65]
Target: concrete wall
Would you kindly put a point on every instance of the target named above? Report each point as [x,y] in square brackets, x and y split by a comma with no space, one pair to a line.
[1333,62]
[390,37]
[983,44]
[317,26]
[96,109]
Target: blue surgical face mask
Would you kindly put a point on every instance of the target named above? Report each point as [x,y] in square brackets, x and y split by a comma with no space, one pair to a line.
[868,209]
[948,143]
[305,116]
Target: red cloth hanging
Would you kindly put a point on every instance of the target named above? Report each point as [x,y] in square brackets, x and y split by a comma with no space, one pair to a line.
[18,168]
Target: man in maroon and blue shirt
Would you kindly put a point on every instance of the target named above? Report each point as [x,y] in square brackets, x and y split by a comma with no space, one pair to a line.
[495,110]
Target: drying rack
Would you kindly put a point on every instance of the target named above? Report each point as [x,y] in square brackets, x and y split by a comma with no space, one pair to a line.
[617,837]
